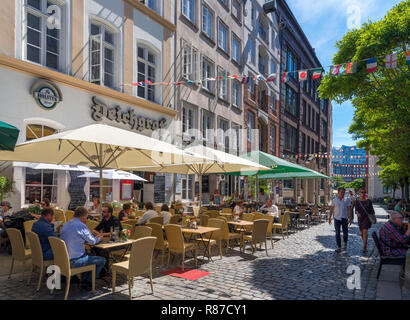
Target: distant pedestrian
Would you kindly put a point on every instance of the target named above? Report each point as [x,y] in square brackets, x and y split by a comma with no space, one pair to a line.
[399,206]
[341,207]
[363,208]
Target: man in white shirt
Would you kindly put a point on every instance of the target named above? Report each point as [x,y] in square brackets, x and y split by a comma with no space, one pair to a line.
[150,213]
[270,208]
[341,209]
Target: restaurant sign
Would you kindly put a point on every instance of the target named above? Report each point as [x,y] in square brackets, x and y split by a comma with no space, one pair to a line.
[46,94]
[99,111]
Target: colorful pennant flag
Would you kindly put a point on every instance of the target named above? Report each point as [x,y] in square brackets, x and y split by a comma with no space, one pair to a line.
[351,67]
[334,70]
[271,77]
[371,65]
[408,58]
[391,61]
[245,80]
[285,77]
[317,73]
[259,77]
[302,75]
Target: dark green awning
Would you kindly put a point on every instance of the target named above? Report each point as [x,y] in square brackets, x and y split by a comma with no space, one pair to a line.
[8,136]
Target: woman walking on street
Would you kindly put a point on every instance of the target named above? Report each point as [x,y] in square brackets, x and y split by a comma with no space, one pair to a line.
[364,207]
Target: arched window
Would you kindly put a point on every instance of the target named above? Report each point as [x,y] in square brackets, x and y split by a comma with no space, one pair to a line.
[147,64]
[40,183]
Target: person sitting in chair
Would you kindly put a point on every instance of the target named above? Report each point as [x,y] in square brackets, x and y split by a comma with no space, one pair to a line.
[165,213]
[125,212]
[150,213]
[44,228]
[108,222]
[393,241]
[271,209]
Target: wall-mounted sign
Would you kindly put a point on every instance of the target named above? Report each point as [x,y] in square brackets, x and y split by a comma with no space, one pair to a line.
[46,94]
[99,110]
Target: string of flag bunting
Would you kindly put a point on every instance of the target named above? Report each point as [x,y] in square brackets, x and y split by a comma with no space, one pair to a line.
[356,175]
[321,155]
[372,65]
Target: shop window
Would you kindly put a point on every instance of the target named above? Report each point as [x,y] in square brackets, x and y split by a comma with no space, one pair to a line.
[95,189]
[43,43]
[102,55]
[147,66]
[41,183]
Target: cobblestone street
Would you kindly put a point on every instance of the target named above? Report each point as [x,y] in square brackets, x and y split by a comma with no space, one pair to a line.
[303,266]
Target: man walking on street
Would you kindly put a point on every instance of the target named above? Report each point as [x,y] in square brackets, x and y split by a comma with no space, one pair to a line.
[341,208]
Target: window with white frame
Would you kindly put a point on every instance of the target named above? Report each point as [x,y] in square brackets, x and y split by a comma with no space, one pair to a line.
[273,39]
[189,57]
[187,186]
[146,65]
[207,21]
[153,4]
[236,48]
[43,44]
[272,66]
[223,84]
[251,87]
[188,9]
[207,127]
[208,71]
[102,55]
[251,126]
[236,138]
[236,9]
[223,136]
[222,36]
[252,50]
[272,139]
[41,183]
[273,101]
[253,16]
[236,93]
[188,120]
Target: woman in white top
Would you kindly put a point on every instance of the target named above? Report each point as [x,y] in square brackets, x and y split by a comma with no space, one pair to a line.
[165,213]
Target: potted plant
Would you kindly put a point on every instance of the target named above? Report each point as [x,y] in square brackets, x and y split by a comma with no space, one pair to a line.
[125,234]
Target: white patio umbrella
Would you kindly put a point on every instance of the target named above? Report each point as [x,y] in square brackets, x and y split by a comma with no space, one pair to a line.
[112,174]
[48,166]
[100,146]
[221,162]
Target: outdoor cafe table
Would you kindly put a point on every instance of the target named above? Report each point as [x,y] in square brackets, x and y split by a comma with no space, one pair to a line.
[226,214]
[109,247]
[200,231]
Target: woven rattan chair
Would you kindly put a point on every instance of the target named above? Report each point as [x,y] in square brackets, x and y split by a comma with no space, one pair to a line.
[216,238]
[258,235]
[69,215]
[28,225]
[158,232]
[19,252]
[159,220]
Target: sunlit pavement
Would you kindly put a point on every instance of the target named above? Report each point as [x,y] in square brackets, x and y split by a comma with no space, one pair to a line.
[304,266]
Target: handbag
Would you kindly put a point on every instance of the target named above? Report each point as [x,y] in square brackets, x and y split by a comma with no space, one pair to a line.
[372,217]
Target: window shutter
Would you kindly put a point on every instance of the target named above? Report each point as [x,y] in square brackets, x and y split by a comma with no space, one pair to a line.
[96,58]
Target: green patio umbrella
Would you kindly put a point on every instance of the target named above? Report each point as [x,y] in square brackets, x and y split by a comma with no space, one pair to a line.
[8,136]
[277,165]
[294,175]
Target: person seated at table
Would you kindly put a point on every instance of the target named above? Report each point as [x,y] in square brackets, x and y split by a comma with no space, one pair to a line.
[150,213]
[44,228]
[5,212]
[94,207]
[108,222]
[125,212]
[45,203]
[238,208]
[262,196]
[75,233]
[393,240]
[399,206]
[165,213]
[271,209]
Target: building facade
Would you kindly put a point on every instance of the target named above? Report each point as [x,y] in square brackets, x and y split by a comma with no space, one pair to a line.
[209,45]
[305,120]
[59,58]
[349,162]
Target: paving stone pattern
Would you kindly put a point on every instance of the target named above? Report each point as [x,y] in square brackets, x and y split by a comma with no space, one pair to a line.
[304,266]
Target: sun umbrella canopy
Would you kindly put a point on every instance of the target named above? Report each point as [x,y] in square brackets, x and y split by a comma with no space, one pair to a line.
[48,166]
[8,136]
[276,165]
[112,174]
[219,162]
[99,146]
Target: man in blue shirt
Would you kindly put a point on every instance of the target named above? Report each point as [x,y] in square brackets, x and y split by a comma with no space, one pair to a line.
[44,229]
[342,209]
[75,233]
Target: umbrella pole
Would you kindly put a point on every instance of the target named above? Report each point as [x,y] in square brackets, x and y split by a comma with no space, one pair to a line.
[101,191]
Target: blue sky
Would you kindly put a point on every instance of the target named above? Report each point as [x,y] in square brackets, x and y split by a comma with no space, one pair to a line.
[325,22]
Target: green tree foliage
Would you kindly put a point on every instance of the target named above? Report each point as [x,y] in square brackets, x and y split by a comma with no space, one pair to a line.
[338,182]
[381,120]
[6,187]
[356,184]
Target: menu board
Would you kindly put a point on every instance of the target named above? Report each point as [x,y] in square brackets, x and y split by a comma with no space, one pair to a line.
[205,184]
[159,189]
[76,190]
